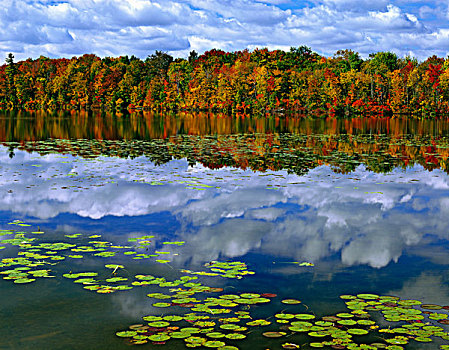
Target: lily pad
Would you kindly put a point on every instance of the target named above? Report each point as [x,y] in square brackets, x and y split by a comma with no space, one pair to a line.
[291,301]
[304,316]
[161,304]
[159,337]
[357,331]
[431,307]
[214,344]
[235,336]
[126,334]
[259,322]
[273,334]
[159,324]
[24,280]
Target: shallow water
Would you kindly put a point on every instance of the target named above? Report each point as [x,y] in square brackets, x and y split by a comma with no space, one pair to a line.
[367,208]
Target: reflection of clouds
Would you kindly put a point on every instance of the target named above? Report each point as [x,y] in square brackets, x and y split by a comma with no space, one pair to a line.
[229,205]
[427,287]
[231,238]
[268,214]
[376,250]
[124,199]
[135,305]
[367,221]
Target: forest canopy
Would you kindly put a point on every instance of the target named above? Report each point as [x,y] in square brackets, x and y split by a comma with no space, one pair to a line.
[259,81]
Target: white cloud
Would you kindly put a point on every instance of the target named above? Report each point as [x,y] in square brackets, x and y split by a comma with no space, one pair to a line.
[357,5]
[139,27]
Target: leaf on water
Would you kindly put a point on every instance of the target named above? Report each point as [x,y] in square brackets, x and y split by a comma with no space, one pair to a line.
[162,261]
[159,337]
[259,322]
[159,324]
[273,334]
[161,304]
[291,301]
[126,334]
[24,280]
[112,266]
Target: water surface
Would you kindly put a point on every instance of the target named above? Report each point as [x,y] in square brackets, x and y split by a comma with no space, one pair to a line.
[364,201]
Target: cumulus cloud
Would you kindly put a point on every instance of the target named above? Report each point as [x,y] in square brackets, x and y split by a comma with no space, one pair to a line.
[357,5]
[139,27]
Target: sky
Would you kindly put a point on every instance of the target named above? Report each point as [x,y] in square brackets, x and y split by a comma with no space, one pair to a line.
[67,28]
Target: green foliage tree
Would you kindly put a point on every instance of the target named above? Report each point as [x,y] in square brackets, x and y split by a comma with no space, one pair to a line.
[158,64]
[11,71]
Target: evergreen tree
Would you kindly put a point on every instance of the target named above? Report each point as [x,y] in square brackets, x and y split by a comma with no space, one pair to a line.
[11,71]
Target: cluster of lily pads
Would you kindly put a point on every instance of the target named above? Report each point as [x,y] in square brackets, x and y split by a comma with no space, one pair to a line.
[214,322]
[233,269]
[353,329]
[32,256]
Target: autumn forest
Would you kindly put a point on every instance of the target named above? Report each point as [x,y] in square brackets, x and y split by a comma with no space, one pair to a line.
[299,81]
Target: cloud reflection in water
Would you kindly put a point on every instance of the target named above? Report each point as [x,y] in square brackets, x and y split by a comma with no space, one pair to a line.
[364,217]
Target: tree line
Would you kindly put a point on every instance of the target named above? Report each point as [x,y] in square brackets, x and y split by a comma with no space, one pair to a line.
[257,82]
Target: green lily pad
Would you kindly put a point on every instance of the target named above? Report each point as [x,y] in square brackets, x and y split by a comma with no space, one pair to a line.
[368,296]
[318,334]
[214,344]
[423,339]
[159,337]
[113,266]
[258,323]
[180,335]
[273,334]
[215,335]
[409,302]
[249,295]
[291,301]
[126,334]
[161,304]
[159,324]
[24,280]
[347,322]
[172,318]
[152,318]
[357,331]
[304,316]
[284,316]
[235,336]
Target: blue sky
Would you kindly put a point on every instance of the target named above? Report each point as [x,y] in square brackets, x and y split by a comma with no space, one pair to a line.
[139,27]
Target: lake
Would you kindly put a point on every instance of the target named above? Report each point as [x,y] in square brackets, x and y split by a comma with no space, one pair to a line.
[209,231]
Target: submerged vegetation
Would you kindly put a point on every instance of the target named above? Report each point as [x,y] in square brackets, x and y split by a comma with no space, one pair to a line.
[256,82]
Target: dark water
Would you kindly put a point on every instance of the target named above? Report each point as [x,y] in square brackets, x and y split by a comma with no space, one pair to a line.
[365,201]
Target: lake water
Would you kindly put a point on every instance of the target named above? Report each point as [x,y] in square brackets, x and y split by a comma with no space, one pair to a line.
[221,220]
